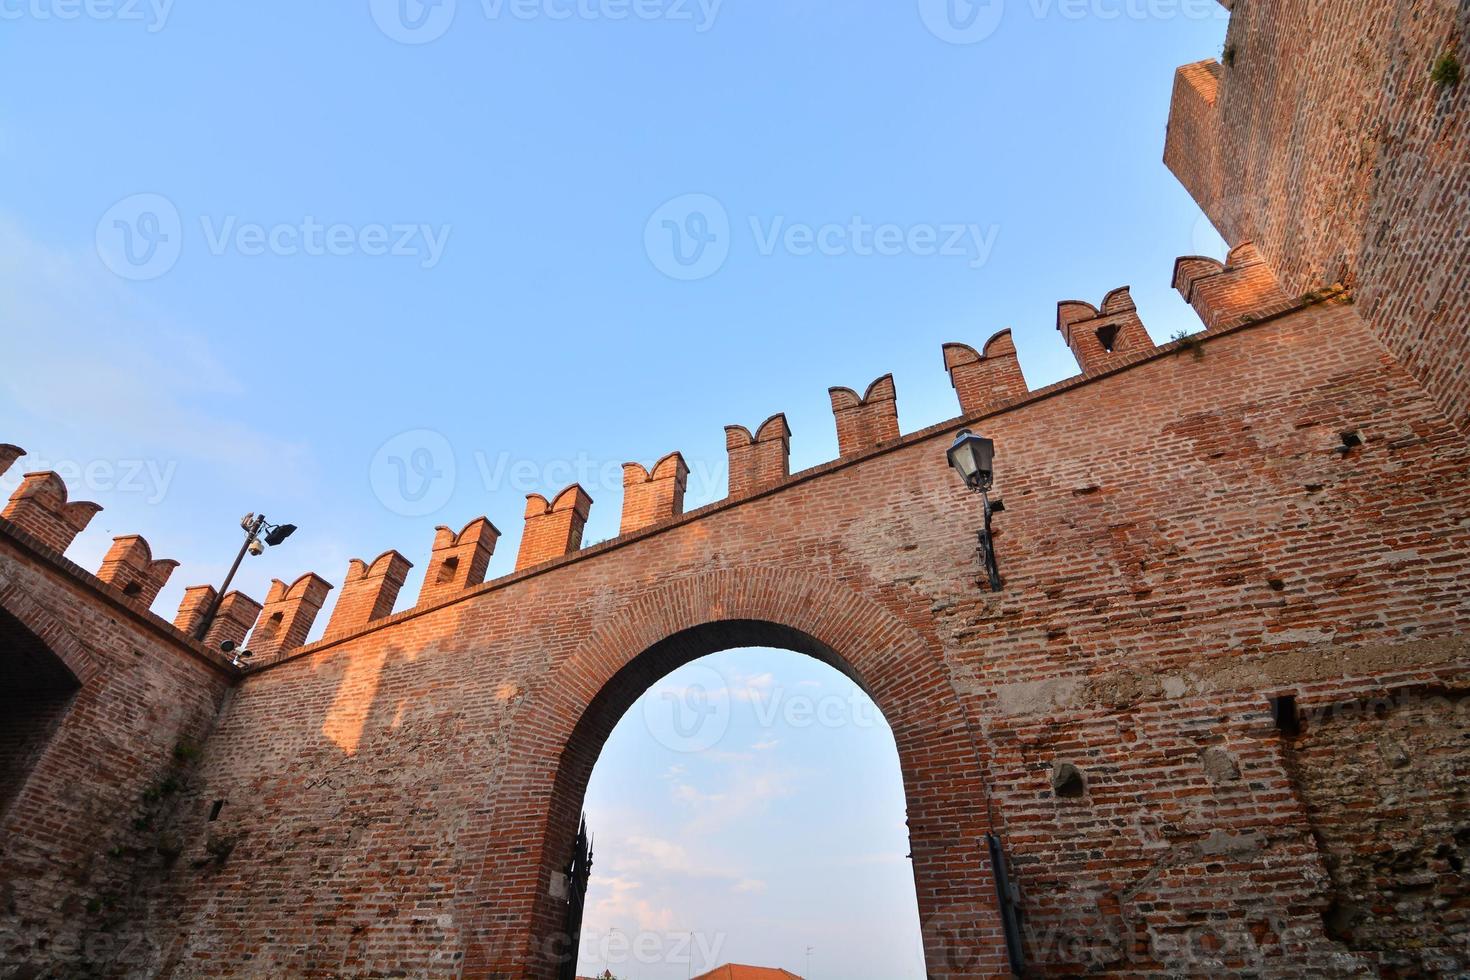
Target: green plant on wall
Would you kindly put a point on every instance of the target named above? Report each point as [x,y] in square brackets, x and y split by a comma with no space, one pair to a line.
[1189,342]
[1446,70]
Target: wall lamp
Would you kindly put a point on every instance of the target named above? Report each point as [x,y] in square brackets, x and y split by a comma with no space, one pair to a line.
[252,525]
[973,458]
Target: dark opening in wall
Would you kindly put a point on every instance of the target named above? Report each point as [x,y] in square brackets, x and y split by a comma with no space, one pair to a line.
[1284,713]
[1108,337]
[446,571]
[215,809]
[36,689]
[271,627]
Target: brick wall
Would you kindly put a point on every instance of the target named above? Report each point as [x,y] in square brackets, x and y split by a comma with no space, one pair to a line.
[102,710]
[1184,538]
[1274,508]
[1325,141]
[1383,777]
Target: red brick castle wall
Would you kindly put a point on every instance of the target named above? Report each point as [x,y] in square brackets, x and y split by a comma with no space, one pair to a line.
[1234,617]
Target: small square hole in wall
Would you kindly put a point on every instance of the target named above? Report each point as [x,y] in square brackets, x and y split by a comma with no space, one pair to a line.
[1284,714]
[1350,441]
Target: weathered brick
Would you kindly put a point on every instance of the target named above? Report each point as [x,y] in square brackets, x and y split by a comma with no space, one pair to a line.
[1186,541]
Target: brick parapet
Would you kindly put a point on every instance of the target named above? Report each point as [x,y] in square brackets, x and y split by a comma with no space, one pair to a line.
[939,432]
[128,606]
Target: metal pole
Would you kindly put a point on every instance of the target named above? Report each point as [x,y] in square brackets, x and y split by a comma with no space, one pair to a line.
[987,547]
[1009,902]
[208,620]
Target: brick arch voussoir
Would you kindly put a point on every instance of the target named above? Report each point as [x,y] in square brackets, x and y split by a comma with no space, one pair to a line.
[900,669]
[52,632]
[903,672]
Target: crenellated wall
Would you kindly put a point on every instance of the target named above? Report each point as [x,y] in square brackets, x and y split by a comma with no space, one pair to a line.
[652,497]
[1194,535]
[868,421]
[368,593]
[104,712]
[986,380]
[1182,542]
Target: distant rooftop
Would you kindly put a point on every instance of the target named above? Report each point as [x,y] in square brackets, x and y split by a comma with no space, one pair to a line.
[736,971]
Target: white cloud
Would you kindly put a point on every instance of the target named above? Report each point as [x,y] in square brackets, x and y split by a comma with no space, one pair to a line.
[684,793]
[752,688]
[624,904]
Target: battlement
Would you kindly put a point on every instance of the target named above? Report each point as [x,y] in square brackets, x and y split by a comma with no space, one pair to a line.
[652,497]
[368,593]
[459,561]
[8,455]
[1237,290]
[553,528]
[986,380]
[1192,144]
[867,422]
[759,461]
[1103,337]
[40,507]
[130,567]
[233,619]
[288,615]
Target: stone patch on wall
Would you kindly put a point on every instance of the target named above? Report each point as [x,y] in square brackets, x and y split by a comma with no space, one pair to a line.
[1116,690]
[1386,782]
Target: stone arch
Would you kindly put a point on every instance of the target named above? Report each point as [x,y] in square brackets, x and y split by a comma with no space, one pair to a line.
[561,727]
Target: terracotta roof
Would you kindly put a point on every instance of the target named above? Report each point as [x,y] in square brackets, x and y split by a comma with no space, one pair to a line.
[735,971]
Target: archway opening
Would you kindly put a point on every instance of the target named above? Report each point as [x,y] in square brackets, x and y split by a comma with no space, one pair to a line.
[36,688]
[522,927]
[644,681]
[749,809]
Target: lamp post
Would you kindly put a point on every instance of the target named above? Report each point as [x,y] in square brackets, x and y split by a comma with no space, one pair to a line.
[252,525]
[973,458]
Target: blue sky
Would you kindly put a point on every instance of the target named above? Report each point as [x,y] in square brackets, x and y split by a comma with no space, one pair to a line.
[367,277]
[748,807]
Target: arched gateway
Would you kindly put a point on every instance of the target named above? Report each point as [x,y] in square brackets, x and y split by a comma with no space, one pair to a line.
[562,729]
[1217,556]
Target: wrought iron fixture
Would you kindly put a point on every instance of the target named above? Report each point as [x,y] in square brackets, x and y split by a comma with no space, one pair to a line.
[973,458]
[252,525]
